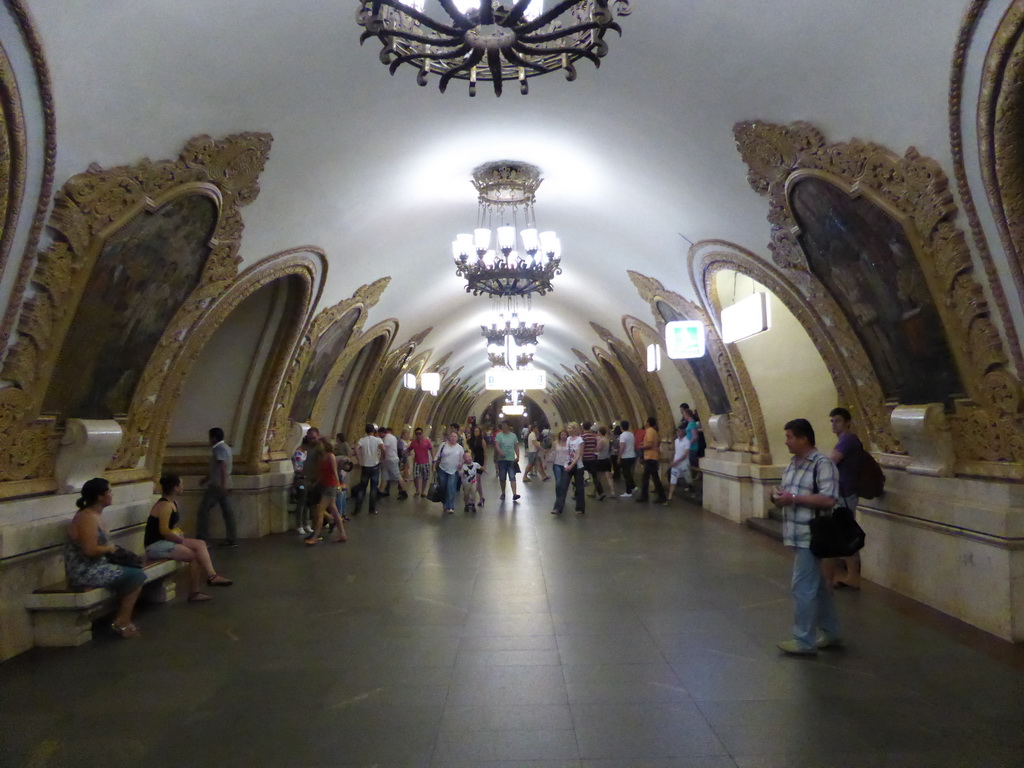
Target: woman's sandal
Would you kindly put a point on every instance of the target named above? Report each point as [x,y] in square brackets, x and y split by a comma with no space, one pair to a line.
[199,597]
[219,581]
[125,630]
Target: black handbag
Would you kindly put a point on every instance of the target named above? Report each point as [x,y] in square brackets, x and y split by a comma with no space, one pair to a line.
[836,535]
[124,557]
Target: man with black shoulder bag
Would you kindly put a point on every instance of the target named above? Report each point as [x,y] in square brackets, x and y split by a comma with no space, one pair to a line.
[810,487]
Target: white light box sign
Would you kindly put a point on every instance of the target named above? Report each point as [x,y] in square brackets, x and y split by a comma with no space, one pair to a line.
[430,382]
[653,358]
[527,378]
[746,318]
[685,339]
[409,381]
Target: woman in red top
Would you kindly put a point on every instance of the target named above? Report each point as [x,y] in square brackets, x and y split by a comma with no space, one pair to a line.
[328,486]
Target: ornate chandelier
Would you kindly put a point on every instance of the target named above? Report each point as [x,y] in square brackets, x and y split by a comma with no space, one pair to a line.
[506,191]
[508,339]
[493,40]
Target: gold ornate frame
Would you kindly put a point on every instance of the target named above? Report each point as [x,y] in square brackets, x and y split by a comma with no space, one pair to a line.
[359,404]
[388,376]
[364,298]
[650,393]
[914,191]
[1000,123]
[34,48]
[746,420]
[88,209]
[306,267]
[998,110]
[13,156]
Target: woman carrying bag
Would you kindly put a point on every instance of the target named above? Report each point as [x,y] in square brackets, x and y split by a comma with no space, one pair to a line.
[449,459]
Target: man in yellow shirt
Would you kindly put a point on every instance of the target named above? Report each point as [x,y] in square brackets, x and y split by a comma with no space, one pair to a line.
[652,457]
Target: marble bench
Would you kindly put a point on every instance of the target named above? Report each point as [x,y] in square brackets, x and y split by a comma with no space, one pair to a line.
[62,616]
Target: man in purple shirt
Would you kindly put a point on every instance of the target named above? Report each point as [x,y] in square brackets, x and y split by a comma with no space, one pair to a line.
[846,456]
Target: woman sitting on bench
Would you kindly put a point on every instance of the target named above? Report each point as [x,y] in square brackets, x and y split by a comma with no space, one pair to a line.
[85,555]
[164,539]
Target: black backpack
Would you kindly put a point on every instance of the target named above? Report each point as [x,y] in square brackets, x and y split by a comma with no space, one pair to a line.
[870,478]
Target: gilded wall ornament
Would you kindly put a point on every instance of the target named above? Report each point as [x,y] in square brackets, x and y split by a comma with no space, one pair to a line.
[46,151]
[648,390]
[719,382]
[90,208]
[914,192]
[1000,123]
[375,340]
[356,307]
[13,156]
[857,388]
[303,270]
[982,117]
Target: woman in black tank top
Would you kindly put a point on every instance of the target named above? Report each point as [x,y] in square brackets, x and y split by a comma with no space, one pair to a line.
[165,540]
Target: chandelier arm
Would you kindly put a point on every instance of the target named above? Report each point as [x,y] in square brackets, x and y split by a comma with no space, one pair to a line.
[469,63]
[574,52]
[458,16]
[494,64]
[426,20]
[446,41]
[462,51]
[516,14]
[569,31]
[546,18]
[487,12]
[521,62]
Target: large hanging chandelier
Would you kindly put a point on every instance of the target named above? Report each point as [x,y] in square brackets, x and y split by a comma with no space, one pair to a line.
[490,40]
[490,258]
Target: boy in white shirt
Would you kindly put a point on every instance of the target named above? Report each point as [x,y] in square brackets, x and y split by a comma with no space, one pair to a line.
[680,466]
[471,490]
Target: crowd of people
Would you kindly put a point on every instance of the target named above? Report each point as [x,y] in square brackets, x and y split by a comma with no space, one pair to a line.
[325,497]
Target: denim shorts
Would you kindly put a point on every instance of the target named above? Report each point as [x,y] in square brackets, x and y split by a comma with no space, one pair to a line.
[160,550]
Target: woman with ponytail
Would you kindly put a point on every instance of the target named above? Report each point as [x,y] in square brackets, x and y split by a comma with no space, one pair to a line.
[85,555]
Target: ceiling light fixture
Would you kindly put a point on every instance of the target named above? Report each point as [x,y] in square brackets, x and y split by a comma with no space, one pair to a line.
[490,40]
[506,191]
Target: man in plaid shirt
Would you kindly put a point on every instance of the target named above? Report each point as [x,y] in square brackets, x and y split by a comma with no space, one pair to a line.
[810,484]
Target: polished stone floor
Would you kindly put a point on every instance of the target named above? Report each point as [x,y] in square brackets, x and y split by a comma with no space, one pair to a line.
[634,637]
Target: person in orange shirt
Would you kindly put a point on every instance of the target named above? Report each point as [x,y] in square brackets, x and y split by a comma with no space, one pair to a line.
[652,457]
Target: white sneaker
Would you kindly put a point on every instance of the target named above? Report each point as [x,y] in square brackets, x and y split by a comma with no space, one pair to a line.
[305,530]
[626,496]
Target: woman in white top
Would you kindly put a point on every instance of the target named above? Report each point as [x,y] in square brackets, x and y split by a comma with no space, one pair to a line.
[559,453]
[572,468]
[449,459]
[627,457]
[534,459]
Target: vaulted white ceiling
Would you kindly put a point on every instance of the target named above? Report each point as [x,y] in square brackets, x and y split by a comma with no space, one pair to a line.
[375,170]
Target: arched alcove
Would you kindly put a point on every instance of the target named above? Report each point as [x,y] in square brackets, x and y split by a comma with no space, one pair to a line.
[780,361]
[228,382]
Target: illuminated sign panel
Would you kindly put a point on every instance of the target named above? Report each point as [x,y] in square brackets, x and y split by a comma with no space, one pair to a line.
[685,339]
[526,378]
[745,318]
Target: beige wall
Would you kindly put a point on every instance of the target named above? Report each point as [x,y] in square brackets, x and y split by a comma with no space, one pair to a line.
[787,372]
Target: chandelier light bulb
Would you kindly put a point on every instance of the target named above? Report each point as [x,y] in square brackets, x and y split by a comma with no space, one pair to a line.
[530,241]
[506,239]
[462,246]
[482,240]
[550,245]
[489,258]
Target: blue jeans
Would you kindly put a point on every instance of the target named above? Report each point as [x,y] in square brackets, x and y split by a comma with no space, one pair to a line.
[370,476]
[813,606]
[562,488]
[449,487]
